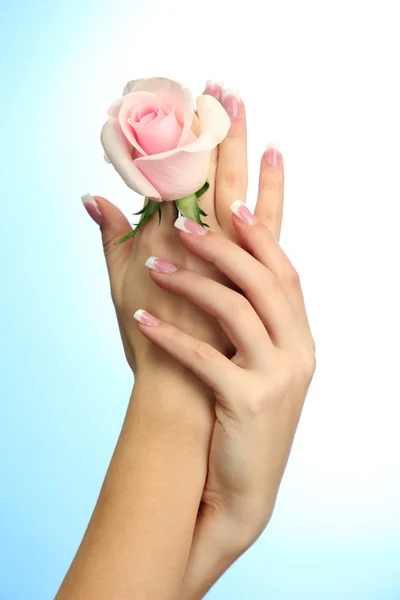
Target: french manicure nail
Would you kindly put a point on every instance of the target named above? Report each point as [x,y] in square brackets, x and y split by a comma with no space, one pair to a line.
[240,210]
[160,265]
[93,208]
[146,318]
[189,226]
[231,103]
[272,155]
[214,88]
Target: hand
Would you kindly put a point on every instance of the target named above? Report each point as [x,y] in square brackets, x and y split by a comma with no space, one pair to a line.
[130,285]
[259,392]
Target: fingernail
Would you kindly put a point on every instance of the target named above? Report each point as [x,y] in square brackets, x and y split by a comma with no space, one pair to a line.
[214,88]
[231,103]
[189,226]
[160,265]
[93,208]
[272,155]
[240,210]
[146,318]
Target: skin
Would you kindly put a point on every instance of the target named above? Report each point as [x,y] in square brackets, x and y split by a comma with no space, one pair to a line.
[219,387]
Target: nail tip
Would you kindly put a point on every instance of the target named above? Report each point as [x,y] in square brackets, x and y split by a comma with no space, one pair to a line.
[150,262]
[230,92]
[89,199]
[179,223]
[236,204]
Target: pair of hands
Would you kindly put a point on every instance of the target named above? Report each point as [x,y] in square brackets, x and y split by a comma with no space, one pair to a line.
[232,313]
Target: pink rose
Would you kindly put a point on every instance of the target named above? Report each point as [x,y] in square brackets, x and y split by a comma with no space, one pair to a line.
[155,141]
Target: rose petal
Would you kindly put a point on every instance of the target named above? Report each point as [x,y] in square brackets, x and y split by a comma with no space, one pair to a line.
[181,172]
[132,101]
[188,117]
[160,135]
[175,94]
[129,86]
[178,175]
[214,120]
[118,151]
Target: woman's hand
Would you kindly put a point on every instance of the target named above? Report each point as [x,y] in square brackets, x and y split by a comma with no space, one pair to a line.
[259,392]
[130,285]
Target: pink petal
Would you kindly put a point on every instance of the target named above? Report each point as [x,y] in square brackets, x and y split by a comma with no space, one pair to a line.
[178,175]
[174,94]
[118,151]
[158,136]
[188,117]
[180,172]
[129,86]
[129,103]
[214,120]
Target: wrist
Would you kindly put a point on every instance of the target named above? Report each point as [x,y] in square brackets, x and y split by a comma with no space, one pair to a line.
[217,544]
[172,390]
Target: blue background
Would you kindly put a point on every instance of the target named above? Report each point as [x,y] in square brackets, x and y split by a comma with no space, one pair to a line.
[335,534]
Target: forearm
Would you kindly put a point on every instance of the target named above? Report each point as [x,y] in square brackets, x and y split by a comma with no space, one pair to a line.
[138,540]
[215,548]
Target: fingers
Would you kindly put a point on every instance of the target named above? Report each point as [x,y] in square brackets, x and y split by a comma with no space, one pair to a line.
[212,367]
[233,312]
[207,201]
[269,207]
[260,242]
[258,283]
[113,225]
[232,176]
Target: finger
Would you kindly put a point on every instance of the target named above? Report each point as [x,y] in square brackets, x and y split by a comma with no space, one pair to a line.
[212,367]
[113,225]
[260,242]
[232,176]
[269,207]
[260,286]
[233,311]
[207,201]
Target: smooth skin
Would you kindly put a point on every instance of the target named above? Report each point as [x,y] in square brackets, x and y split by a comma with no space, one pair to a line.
[147,519]
[275,359]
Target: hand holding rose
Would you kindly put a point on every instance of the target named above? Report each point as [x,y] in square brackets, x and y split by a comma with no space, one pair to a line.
[159,146]
[230,313]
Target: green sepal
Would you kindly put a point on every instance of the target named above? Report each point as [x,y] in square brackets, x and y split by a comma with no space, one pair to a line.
[189,206]
[147,212]
[203,189]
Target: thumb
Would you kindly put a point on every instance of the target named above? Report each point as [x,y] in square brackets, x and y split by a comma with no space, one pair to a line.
[113,226]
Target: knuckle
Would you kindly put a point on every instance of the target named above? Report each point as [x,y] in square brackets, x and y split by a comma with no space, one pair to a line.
[238,305]
[305,366]
[203,351]
[292,277]
[309,364]
[110,245]
[270,393]
[233,179]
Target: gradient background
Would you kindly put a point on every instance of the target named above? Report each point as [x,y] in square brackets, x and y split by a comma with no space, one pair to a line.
[319,78]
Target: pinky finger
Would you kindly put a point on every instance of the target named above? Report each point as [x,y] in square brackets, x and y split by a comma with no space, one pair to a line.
[212,367]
